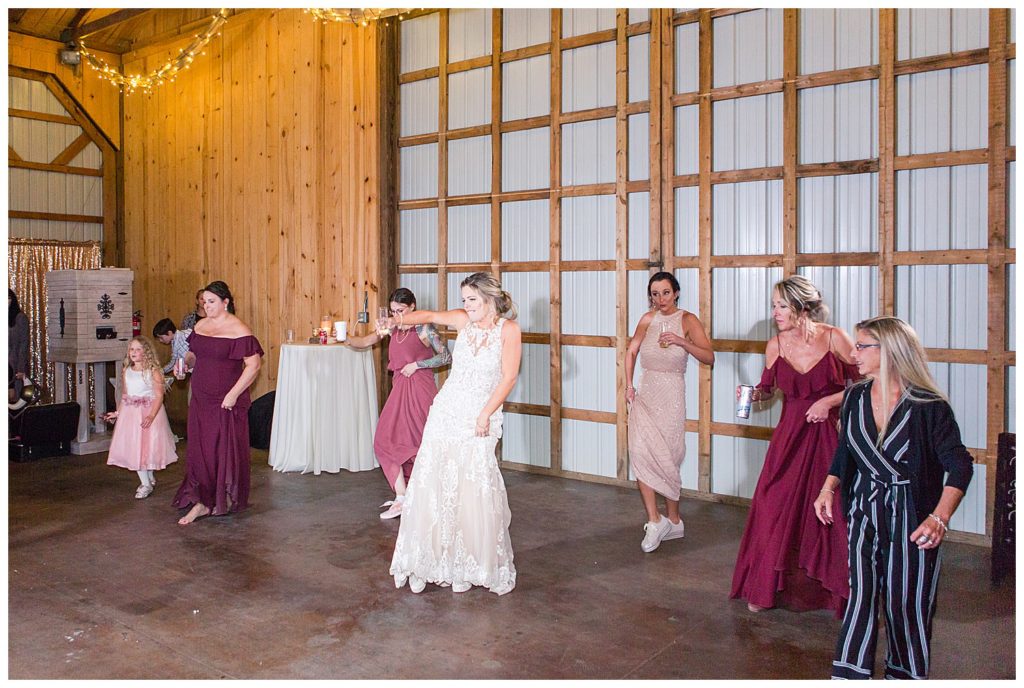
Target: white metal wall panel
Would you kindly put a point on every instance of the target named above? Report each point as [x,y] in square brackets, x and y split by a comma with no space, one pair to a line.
[1011,307]
[418,171]
[639,224]
[39,141]
[1013,25]
[747,218]
[454,290]
[419,107]
[689,284]
[418,235]
[588,378]
[687,142]
[469,34]
[946,304]
[588,77]
[534,384]
[1011,110]
[747,132]
[639,50]
[942,110]
[588,303]
[970,515]
[1011,204]
[747,47]
[639,153]
[588,152]
[923,32]
[638,15]
[639,303]
[588,228]
[524,27]
[967,387]
[54,192]
[851,292]
[469,233]
[424,286]
[688,471]
[420,42]
[942,208]
[531,292]
[469,166]
[833,39]
[687,58]
[736,464]
[526,439]
[57,231]
[525,231]
[838,214]
[29,94]
[469,98]
[91,156]
[732,369]
[1011,399]
[839,122]
[588,447]
[526,88]
[576,22]
[687,217]
[525,159]
[741,308]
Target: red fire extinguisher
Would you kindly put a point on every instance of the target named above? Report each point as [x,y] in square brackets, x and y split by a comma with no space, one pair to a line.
[136,323]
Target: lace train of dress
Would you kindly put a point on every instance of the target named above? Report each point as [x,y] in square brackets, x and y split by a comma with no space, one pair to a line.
[455,519]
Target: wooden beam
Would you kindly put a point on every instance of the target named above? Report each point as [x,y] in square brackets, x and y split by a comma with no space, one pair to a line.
[704,230]
[790,137]
[525,53]
[14,17]
[54,217]
[622,153]
[526,409]
[841,76]
[41,116]
[831,169]
[101,24]
[886,154]
[418,75]
[497,39]
[976,156]
[389,112]
[555,234]
[471,63]
[588,115]
[965,256]
[931,63]
[73,149]
[759,88]
[49,167]
[588,415]
[13,154]
[586,39]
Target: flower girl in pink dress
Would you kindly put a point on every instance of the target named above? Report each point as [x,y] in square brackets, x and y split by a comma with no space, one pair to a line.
[142,440]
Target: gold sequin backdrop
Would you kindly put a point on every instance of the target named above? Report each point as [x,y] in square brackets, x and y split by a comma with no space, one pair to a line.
[28,261]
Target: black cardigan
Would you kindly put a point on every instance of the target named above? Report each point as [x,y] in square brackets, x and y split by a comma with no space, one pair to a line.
[935,449]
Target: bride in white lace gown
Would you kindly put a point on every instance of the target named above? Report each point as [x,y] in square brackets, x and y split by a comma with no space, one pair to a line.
[454,528]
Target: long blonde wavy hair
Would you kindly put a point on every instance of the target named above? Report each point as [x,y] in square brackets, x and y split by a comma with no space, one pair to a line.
[901,356]
[149,359]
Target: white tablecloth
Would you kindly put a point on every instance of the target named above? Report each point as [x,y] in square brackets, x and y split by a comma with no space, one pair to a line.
[325,410]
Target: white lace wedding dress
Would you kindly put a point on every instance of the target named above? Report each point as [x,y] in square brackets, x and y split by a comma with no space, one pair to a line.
[455,518]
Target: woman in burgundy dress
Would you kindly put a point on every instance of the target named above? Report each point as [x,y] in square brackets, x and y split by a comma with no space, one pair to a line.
[413,353]
[786,557]
[227,359]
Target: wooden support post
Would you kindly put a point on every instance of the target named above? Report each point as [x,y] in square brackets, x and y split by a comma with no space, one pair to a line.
[790,137]
[886,153]
[555,228]
[706,124]
[621,239]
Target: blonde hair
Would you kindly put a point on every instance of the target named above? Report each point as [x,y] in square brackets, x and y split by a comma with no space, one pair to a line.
[901,355]
[490,288]
[803,298]
[149,360]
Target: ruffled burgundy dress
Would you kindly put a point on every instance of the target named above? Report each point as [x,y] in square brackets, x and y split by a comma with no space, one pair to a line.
[217,469]
[400,427]
[787,558]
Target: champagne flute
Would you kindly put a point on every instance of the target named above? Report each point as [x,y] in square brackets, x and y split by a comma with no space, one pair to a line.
[382,321]
[664,329]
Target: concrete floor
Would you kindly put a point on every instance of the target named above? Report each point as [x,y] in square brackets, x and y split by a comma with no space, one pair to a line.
[105,586]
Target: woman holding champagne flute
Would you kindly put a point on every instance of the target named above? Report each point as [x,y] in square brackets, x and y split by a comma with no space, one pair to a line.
[786,557]
[665,338]
[414,351]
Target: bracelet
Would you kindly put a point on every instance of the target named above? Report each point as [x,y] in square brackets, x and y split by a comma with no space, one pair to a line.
[939,520]
[825,489]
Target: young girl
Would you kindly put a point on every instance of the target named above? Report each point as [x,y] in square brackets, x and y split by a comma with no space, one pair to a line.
[142,440]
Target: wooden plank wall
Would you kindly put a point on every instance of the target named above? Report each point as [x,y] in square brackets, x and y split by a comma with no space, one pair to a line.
[259,166]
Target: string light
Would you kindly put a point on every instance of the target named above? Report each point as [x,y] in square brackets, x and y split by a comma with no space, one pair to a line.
[360,16]
[129,83]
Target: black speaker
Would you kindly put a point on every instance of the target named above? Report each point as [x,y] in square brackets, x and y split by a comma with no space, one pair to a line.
[39,431]
[261,416]
[1004,518]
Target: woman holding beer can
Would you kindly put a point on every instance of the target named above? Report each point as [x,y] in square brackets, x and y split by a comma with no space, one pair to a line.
[665,338]
[786,557]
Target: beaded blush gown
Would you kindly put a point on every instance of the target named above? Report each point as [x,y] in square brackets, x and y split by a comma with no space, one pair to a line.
[455,520]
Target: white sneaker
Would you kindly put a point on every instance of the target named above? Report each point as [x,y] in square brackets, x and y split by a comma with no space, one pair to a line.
[395,508]
[675,530]
[654,533]
[143,491]
[461,587]
[417,584]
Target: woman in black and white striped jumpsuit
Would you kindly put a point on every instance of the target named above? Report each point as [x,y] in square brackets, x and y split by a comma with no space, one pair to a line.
[897,440]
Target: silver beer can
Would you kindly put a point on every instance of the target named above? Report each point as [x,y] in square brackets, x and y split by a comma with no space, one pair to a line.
[745,401]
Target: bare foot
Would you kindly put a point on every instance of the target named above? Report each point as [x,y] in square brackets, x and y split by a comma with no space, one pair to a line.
[197,511]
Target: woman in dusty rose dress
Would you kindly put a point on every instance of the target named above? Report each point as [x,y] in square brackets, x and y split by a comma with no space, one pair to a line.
[786,557]
[665,338]
[413,353]
[227,359]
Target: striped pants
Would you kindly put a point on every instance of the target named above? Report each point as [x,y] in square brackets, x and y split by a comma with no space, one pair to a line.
[887,568]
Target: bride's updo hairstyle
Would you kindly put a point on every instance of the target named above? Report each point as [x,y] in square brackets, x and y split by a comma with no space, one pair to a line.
[490,289]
